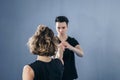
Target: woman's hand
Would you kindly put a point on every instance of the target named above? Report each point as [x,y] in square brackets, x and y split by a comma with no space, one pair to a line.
[60,51]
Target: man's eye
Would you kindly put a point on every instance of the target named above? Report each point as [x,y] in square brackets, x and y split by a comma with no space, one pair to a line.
[63,27]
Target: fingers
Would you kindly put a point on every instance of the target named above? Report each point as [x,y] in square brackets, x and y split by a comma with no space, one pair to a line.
[61,46]
[65,44]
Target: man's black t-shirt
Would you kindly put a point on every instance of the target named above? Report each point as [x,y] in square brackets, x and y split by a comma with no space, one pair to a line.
[70,72]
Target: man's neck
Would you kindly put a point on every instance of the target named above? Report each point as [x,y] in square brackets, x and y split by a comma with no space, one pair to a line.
[63,37]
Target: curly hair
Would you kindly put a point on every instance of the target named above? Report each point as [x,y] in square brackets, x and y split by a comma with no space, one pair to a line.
[42,42]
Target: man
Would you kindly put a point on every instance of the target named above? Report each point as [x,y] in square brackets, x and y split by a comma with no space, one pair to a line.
[71,46]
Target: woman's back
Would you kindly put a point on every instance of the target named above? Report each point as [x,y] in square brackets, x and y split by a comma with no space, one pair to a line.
[52,70]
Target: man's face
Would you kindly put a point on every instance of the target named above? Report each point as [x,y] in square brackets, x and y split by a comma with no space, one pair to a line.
[61,28]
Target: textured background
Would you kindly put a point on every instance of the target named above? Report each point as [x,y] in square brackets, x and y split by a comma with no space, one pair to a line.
[94,23]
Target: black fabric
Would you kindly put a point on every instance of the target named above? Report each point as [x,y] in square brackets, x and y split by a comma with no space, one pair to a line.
[52,70]
[70,72]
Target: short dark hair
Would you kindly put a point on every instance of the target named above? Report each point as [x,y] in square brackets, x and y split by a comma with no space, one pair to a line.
[62,19]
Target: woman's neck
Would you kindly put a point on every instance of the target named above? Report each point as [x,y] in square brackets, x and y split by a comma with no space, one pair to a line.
[44,58]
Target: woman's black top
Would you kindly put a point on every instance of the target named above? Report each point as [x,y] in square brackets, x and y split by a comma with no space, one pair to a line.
[52,70]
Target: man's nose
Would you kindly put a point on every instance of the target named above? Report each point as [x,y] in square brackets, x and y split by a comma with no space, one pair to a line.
[61,30]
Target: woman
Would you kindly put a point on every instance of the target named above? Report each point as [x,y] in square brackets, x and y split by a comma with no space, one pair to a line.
[42,44]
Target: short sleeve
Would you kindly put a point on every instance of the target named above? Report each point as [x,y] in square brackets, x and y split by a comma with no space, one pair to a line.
[74,42]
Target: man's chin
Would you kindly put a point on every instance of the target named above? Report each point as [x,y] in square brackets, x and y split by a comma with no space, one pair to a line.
[61,34]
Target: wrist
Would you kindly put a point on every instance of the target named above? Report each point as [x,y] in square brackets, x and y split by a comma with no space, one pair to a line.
[72,48]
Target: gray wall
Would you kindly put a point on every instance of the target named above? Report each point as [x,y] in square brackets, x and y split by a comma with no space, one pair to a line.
[94,23]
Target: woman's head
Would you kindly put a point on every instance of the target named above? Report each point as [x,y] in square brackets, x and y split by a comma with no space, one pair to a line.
[42,42]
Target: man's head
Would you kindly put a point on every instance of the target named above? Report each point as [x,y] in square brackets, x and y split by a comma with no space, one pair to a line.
[62,19]
[61,24]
